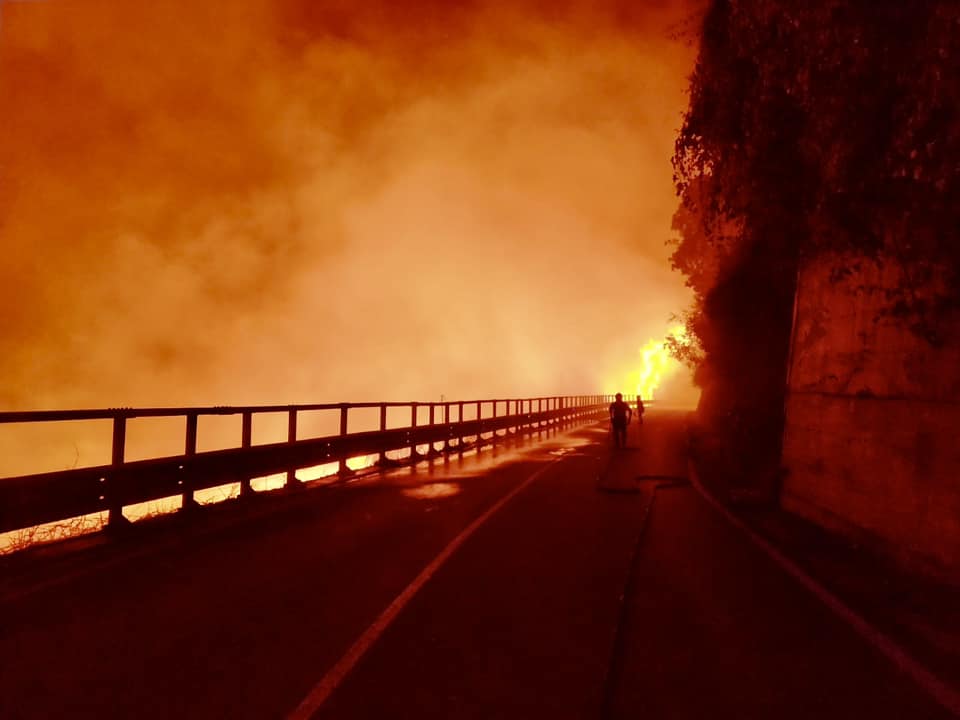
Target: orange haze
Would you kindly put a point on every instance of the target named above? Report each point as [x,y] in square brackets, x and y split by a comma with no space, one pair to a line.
[244,201]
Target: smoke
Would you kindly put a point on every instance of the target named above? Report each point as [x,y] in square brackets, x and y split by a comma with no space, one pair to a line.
[247,201]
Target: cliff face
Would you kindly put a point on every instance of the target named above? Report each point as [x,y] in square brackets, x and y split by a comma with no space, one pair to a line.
[872,434]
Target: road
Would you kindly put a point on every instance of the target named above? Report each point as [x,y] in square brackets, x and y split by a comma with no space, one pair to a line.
[555,579]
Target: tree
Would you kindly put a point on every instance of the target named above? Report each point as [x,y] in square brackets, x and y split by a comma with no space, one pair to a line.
[812,128]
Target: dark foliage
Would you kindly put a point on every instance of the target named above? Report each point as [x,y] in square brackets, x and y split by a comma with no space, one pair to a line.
[813,127]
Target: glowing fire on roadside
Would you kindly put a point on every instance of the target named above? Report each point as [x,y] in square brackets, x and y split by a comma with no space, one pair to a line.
[655,365]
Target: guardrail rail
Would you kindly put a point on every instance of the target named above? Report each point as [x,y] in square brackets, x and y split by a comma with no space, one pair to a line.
[30,500]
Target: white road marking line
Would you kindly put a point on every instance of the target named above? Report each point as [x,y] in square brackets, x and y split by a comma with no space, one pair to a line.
[930,683]
[336,674]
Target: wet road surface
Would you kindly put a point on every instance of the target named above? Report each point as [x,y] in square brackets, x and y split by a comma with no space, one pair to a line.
[564,581]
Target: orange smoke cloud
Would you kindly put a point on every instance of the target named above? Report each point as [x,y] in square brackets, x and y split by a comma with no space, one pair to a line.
[250,201]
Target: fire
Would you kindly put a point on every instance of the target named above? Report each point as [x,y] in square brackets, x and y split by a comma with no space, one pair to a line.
[655,365]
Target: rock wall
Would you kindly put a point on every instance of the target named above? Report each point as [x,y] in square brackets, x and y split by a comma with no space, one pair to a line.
[872,434]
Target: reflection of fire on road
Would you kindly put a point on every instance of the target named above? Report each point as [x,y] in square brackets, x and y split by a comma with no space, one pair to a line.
[432,491]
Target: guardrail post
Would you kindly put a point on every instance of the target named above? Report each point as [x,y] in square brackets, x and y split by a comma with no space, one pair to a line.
[188,502]
[460,428]
[446,421]
[494,418]
[343,471]
[383,428]
[246,440]
[432,452]
[115,518]
[479,426]
[539,413]
[413,428]
[292,481]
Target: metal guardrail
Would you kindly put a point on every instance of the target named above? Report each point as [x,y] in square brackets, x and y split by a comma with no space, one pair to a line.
[29,500]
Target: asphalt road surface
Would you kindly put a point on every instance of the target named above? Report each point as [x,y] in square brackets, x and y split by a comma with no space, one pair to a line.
[557,579]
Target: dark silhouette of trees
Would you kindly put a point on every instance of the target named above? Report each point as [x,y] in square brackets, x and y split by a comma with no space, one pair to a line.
[824,127]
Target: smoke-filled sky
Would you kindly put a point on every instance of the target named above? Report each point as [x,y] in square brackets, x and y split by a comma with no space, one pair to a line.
[245,201]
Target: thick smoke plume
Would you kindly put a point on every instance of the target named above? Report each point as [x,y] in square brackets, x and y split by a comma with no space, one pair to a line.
[243,201]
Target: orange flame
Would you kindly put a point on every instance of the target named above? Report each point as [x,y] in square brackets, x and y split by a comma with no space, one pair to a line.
[656,364]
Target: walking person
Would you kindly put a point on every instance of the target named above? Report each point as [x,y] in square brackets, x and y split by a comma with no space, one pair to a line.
[620,414]
[640,410]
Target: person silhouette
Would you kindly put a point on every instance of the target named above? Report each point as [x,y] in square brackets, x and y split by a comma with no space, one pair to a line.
[620,414]
[640,410]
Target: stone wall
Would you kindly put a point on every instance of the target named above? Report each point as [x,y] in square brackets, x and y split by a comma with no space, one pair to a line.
[872,434]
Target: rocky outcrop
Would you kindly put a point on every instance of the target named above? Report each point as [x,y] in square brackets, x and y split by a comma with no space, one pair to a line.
[871,442]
